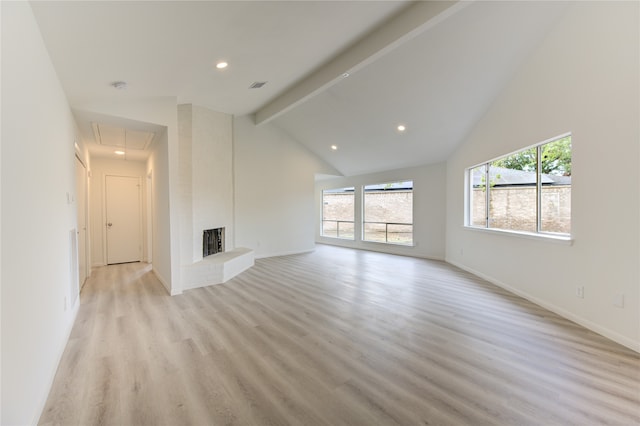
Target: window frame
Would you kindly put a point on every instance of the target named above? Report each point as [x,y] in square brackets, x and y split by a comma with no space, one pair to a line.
[539,233]
[323,220]
[364,222]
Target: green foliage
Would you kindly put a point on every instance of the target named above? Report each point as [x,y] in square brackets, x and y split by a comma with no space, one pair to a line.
[556,158]
[523,160]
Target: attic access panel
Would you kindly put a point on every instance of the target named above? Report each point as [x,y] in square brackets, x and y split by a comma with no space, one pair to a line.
[122,138]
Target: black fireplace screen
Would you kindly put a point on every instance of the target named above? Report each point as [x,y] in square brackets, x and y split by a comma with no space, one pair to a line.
[212,241]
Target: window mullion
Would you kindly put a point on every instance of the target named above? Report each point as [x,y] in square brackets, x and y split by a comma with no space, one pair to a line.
[538,188]
[488,197]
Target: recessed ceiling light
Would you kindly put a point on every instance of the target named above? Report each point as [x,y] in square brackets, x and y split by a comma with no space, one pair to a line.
[222,65]
[334,147]
[119,152]
[401,128]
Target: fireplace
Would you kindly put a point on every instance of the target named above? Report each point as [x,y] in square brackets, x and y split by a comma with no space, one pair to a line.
[212,241]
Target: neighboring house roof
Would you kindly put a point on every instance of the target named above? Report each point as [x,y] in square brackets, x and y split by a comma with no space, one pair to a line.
[393,186]
[560,180]
[501,176]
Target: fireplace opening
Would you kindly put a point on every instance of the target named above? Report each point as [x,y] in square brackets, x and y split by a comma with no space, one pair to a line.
[212,241]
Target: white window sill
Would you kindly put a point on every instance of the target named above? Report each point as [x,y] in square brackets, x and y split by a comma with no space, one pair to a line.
[558,239]
[389,243]
[338,238]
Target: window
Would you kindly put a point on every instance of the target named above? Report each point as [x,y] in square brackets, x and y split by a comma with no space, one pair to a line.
[388,213]
[337,213]
[528,191]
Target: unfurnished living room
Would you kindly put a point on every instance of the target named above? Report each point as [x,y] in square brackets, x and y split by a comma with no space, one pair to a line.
[320,212]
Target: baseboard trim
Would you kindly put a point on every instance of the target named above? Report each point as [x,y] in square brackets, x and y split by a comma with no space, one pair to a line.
[162,281]
[286,253]
[381,250]
[603,331]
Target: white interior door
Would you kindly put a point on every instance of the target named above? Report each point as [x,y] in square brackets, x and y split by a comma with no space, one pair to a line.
[123,219]
[81,204]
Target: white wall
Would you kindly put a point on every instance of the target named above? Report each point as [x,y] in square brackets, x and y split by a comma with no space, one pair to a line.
[185,191]
[100,168]
[158,169]
[38,135]
[428,210]
[584,79]
[274,190]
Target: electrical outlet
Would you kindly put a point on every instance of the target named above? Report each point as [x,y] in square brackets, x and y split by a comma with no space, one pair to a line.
[580,292]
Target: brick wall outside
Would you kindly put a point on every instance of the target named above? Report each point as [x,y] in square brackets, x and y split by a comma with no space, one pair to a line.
[392,207]
[514,208]
[338,207]
[381,206]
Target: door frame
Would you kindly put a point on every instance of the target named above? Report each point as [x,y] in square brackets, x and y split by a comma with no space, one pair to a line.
[87,240]
[149,215]
[104,215]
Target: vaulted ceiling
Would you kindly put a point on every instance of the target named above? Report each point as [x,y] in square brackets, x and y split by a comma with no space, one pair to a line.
[343,73]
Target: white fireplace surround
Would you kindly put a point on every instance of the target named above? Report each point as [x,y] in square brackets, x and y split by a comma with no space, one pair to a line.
[217,269]
[205,145]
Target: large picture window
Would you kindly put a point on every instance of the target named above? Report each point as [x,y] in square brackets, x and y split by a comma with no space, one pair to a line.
[528,191]
[388,213]
[338,209]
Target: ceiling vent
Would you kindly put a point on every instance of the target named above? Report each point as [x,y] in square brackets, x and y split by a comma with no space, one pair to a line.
[257,84]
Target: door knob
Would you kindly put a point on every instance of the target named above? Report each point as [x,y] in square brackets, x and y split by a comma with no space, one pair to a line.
[109,224]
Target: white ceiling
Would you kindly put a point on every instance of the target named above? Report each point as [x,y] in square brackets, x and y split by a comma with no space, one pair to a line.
[433,66]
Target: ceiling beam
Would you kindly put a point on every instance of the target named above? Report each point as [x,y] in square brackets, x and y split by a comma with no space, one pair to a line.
[409,23]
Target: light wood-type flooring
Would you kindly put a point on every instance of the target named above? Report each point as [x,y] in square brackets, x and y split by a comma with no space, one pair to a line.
[333,337]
